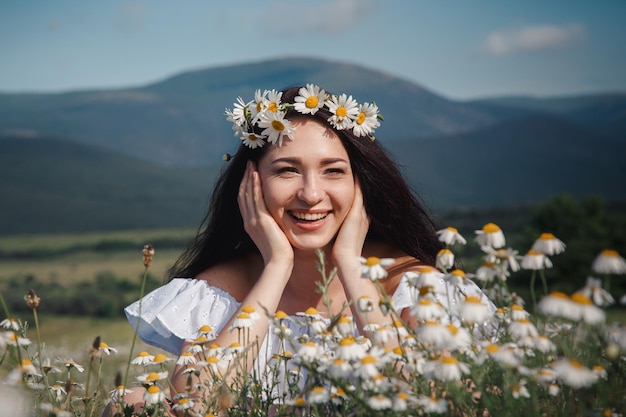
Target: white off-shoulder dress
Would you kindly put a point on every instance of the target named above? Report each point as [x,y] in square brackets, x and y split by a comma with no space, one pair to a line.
[174,312]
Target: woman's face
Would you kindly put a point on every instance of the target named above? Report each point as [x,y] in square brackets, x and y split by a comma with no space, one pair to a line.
[308,185]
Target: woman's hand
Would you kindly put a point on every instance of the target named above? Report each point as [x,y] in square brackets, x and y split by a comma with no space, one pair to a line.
[351,237]
[258,222]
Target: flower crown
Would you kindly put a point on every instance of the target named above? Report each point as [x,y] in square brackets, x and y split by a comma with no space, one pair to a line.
[267,113]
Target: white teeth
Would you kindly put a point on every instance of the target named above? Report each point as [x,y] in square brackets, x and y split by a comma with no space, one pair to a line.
[308,216]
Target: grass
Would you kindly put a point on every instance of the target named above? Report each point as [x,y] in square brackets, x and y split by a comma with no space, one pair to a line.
[71,337]
[69,258]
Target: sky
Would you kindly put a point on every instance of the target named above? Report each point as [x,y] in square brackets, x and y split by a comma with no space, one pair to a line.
[459,49]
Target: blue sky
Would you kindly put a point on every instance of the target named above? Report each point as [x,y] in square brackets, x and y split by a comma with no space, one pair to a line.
[459,49]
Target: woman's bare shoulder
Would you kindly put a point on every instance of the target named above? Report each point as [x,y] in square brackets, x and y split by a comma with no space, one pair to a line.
[235,276]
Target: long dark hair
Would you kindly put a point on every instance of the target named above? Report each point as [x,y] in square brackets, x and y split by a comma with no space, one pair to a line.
[397,216]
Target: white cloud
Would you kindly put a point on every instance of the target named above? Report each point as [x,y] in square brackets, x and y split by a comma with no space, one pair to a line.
[330,17]
[533,38]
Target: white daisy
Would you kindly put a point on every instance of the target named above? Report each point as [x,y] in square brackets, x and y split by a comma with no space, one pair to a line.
[434,334]
[593,289]
[251,139]
[508,257]
[310,352]
[487,272]
[242,321]
[143,358]
[107,349]
[367,367]
[535,261]
[309,99]
[348,349]
[547,243]
[380,402]
[560,305]
[432,404]
[426,309]
[365,304]
[450,236]
[473,310]
[153,395]
[182,402]
[490,235]
[374,268]
[589,313]
[522,328]
[151,378]
[340,368]
[318,395]
[445,259]
[345,325]
[186,358]
[519,390]
[609,262]
[446,368]
[10,324]
[238,114]
[276,126]
[574,373]
[366,120]
[344,109]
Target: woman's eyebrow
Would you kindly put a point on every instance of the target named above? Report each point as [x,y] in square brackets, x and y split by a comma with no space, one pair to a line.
[296,160]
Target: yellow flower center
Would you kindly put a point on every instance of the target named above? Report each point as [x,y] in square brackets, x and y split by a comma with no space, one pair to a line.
[559,294]
[152,376]
[213,359]
[340,391]
[581,298]
[609,252]
[153,389]
[344,320]
[368,360]
[445,251]
[546,236]
[252,137]
[183,400]
[458,273]
[452,229]
[26,362]
[243,316]
[272,107]
[248,309]
[341,111]
[449,360]
[143,354]
[576,364]
[277,125]
[533,252]
[360,119]
[492,348]
[206,329]
[453,329]
[311,102]
[517,307]
[491,228]
[159,358]
[235,345]
[472,299]
[280,315]
[300,401]
[317,390]
[372,260]
[103,345]
[311,311]
[347,341]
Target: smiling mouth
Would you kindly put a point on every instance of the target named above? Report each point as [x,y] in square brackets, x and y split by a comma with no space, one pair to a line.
[307,217]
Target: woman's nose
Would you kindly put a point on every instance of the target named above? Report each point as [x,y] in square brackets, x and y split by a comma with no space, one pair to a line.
[310,191]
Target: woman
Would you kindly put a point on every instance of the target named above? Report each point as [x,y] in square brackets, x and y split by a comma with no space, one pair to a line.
[308,175]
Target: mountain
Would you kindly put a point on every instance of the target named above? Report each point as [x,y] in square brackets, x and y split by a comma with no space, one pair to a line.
[57,185]
[146,157]
[180,121]
[521,161]
[601,113]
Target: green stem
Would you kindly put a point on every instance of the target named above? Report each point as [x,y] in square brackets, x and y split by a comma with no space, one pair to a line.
[132,346]
[45,377]
[542,274]
[4,306]
[532,290]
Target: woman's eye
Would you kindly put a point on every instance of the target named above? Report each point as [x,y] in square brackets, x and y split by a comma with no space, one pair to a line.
[286,170]
[335,171]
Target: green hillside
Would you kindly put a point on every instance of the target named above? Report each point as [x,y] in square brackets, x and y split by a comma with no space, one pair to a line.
[57,185]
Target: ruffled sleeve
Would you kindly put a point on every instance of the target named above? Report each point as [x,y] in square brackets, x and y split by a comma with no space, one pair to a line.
[174,312]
